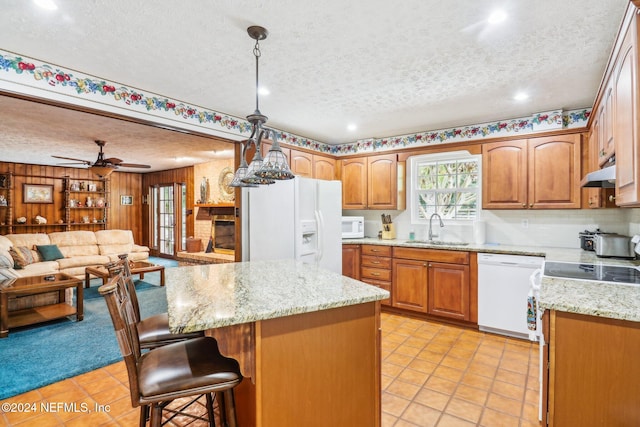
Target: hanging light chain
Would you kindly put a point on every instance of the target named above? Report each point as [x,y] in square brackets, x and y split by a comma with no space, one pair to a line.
[274,165]
[257,54]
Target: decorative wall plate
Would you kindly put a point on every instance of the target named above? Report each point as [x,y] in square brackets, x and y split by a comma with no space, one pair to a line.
[227,193]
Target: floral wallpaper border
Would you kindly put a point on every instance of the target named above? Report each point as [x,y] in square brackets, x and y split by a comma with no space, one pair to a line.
[521,126]
[54,79]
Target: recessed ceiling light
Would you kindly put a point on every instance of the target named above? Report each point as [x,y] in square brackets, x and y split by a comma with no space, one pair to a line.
[351,127]
[520,96]
[46,4]
[263,91]
[497,16]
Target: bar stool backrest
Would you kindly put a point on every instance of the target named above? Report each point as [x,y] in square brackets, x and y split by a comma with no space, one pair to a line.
[124,323]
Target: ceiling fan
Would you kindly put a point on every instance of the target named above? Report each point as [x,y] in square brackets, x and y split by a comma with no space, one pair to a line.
[102,167]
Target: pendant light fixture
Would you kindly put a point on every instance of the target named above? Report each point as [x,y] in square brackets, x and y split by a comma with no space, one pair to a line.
[274,166]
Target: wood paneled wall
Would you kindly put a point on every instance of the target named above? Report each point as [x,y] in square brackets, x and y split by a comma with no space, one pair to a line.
[180,175]
[120,183]
[125,217]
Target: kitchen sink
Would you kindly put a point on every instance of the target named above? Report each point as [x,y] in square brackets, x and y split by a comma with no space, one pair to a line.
[437,242]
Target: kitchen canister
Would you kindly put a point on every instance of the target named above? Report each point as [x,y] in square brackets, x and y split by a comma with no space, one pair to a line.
[479,232]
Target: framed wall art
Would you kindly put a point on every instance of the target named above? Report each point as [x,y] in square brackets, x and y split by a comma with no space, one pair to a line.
[126,200]
[37,193]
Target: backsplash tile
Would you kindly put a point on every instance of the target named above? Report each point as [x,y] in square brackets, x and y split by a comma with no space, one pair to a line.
[552,228]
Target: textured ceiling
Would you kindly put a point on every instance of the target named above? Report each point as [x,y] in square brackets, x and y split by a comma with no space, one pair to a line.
[390,67]
[32,133]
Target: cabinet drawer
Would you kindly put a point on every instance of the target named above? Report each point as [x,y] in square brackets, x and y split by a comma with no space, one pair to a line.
[436,255]
[376,250]
[376,261]
[376,273]
[382,285]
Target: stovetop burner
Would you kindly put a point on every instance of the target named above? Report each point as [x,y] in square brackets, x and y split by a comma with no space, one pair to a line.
[601,273]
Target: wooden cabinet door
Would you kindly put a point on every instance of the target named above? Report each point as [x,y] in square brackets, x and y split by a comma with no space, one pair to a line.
[301,163]
[625,128]
[382,188]
[324,168]
[593,377]
[595,197]
[409,285]
[604,117]
[554,172]
[448,289]
[354,183]
[504,175]
[607,143]
[351,261]
[591,163]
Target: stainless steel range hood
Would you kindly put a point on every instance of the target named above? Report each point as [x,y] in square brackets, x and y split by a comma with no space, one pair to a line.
[603,178]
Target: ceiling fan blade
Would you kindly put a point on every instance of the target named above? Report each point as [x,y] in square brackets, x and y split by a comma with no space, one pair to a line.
[65,163]
[133,165]
[71,158]
[113,160]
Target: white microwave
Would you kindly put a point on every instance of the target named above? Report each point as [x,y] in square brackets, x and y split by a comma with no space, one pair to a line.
[352,227]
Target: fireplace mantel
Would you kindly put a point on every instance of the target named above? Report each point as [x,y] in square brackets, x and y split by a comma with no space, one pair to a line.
[215,205]
[207,210]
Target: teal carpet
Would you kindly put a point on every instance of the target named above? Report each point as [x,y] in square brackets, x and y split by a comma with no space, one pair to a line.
[35,356]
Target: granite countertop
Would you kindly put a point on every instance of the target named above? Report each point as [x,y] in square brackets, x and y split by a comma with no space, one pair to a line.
[612,300]
[203,297]
[616,301]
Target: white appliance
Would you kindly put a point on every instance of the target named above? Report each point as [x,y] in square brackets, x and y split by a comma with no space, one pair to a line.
[294,219]
[537,335]
[503,287]
[352,227]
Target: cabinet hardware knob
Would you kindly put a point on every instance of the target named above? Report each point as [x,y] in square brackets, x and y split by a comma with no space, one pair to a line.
[530,205]
[430,265]
[524,205]
[612,198]
[375,274]
[375,262]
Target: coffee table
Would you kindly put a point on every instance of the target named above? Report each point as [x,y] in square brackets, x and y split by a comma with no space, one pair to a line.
[33,286]
[136,267]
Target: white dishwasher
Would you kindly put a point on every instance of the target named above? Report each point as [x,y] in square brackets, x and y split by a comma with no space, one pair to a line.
[503,286]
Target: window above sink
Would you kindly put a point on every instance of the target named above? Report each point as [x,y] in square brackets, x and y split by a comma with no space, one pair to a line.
[448,184]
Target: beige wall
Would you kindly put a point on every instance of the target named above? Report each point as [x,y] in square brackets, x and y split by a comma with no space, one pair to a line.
[212,171]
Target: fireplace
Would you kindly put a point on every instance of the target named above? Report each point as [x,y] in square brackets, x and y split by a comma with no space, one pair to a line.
[223,234]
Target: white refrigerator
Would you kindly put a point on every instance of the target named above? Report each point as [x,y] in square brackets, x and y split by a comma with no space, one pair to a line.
[295,219]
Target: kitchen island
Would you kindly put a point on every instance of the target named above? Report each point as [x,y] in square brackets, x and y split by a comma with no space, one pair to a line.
[307,339]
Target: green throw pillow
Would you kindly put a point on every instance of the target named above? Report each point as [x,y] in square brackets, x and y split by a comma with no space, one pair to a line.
[49,252]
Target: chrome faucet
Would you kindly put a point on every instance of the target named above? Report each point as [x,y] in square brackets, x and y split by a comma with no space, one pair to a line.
[430,227]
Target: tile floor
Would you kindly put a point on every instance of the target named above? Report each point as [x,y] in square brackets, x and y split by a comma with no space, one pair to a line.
[440,375]
[432,375]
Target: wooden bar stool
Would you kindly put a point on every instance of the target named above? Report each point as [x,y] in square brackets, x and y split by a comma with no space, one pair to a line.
[153,331]
[189,368]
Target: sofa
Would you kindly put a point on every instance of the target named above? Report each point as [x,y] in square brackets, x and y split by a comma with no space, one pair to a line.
[79,249]
[73,252]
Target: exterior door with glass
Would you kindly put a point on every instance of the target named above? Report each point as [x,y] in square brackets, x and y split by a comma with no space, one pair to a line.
[168,218]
